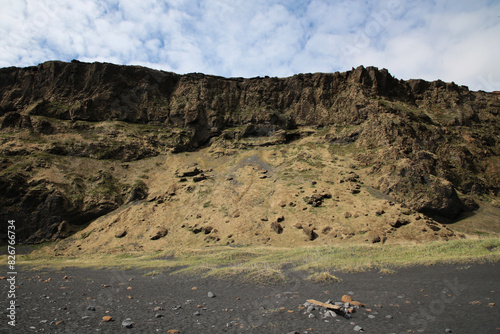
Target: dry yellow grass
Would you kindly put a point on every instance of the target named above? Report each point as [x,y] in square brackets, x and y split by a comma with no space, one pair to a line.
[273,264]
[246,191]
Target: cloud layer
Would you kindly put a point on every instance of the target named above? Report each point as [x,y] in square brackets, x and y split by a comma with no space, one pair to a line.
[448,40]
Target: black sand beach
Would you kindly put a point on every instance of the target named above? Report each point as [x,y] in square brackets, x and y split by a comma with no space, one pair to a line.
[435,299]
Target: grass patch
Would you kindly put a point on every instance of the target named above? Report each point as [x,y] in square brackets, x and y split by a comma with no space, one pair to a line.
[266,265]
[386,271]
[152,273]
[324,277]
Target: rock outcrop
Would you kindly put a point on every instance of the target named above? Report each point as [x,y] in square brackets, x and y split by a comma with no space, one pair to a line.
[426,142]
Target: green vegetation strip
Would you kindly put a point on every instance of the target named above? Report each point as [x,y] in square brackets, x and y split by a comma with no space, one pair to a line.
[269,265]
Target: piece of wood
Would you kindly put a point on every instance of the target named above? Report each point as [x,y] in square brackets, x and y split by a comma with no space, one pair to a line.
[328,306]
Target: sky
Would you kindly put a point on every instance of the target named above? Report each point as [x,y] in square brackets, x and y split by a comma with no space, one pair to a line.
[455,40]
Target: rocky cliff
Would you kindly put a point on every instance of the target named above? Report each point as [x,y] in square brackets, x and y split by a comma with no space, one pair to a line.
[432,146]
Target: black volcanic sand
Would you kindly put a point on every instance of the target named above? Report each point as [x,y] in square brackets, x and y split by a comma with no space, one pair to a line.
[432,299]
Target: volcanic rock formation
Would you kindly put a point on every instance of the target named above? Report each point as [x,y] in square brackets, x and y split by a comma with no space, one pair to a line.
[431,146]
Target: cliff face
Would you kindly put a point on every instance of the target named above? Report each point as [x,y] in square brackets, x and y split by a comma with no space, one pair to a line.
[422,140]
[207,104]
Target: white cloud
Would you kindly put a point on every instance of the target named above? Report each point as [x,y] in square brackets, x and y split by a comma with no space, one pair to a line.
[449,40]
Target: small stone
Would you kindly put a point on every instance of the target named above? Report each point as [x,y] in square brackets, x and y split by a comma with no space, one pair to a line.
[346,299]
[86,317]
[173,331]
[388,316]
[330,314]
[107,318]
[211,294]
[127,323]
[358,328]
[197,313]
[447,330]
[310,308]
[157,308]
[310,316]
[158,315]
[120,234]
[371,316]
[91,308]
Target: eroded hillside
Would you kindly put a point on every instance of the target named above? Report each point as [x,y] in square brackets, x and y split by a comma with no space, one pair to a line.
[154,158]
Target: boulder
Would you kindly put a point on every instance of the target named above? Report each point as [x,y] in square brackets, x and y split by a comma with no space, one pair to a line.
[277,227]
[120,233]
[433,196]
[310,233]
[159,233]
[188,172]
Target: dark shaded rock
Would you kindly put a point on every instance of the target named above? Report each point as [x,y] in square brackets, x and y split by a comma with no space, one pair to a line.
[138,192]
[469,204]
[425,193]
[44,127]
[188,172]
[207,229]
[16,121]
[120,234]
[399,222]
[277,227]
[310,233]
[199,178]
[316,200]
[64,230]
[159,233]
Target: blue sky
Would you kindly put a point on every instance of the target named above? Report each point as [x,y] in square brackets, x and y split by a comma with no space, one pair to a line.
[450,40]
